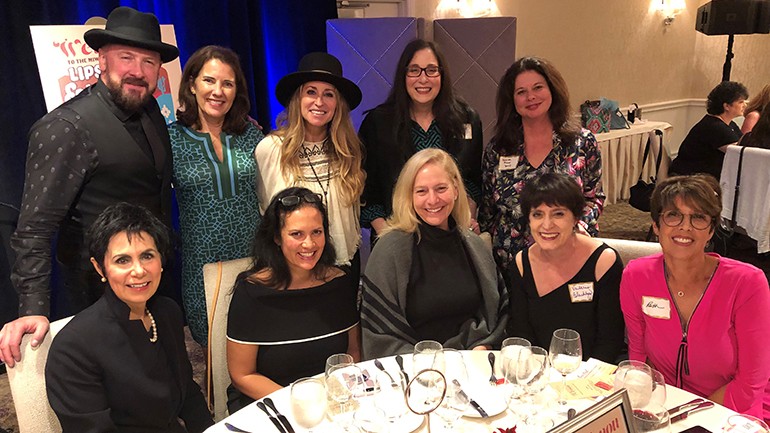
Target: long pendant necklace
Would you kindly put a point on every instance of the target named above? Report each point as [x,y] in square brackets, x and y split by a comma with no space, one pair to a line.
[154,327]
[328,175]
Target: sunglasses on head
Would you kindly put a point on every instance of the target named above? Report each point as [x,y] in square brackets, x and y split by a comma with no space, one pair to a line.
[293,200]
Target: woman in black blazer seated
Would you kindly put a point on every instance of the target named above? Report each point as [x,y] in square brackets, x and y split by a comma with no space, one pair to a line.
[422,111]
[121,365]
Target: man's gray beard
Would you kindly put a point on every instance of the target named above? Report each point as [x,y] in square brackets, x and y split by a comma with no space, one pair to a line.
[126,100]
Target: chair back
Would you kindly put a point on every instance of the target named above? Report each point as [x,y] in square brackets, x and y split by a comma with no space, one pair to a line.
[27,380]
[630,250]
[218,281]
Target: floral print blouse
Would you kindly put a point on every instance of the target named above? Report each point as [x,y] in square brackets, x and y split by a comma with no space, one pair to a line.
[500,209]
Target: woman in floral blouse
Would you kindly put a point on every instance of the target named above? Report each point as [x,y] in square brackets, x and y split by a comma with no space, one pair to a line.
[535,134]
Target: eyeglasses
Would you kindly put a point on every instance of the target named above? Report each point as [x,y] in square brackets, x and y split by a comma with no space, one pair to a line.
[430,71]
[674,218]
[293,200]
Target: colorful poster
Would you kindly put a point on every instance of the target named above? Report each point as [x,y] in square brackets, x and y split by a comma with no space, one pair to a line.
[68,65]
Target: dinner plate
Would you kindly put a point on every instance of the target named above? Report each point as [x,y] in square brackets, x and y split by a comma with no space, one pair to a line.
[490,399]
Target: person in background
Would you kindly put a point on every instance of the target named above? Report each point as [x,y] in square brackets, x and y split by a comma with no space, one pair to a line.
[317,148]
[703,150]
[759,136]
[215,173]
[565,280]
[754,109]
[698,318]
[106,145]
[430,277]
[422,111]
[294,307]
[121,364]
[535,134]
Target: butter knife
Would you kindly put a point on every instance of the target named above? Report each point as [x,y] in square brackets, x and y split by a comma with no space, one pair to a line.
[690,404]
[685,414]
[473,402]
[275,421]
[281,417]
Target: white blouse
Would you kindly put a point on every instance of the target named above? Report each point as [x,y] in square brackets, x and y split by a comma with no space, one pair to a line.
[317,175]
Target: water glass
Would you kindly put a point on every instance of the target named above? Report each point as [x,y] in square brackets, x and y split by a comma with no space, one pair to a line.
[636,378]
[308,402]
[392,396]
[653,418]
[566,353]
[456,402]
[658,395]
[509,354]
[428,354]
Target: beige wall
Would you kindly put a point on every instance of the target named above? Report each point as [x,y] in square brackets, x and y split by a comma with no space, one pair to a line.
[620,49]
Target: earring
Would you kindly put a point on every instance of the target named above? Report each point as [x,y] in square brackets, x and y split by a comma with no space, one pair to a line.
[104,280]
[161,269]
[193,91]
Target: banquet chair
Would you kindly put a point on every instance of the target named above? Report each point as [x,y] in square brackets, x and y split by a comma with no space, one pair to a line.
[218,281]
[27,380]
[630,250]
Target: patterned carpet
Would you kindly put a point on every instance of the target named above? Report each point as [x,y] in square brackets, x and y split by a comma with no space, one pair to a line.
[619,221]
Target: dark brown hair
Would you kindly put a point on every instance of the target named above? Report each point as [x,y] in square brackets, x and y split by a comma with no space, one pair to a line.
[699,191]
[235,119]
[508,130]
[553,189]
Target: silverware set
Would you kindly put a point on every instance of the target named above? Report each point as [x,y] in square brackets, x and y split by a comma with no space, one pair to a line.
[279,420]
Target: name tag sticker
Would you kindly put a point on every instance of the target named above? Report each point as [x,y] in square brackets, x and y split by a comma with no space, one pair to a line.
[581,292]
[659,308]
[508,162]
[468,131]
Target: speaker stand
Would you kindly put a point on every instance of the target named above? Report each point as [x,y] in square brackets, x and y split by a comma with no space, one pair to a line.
[728,58]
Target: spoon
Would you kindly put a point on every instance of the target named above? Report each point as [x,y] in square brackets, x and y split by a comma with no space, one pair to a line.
[491,358]
[400,362]
[379,365]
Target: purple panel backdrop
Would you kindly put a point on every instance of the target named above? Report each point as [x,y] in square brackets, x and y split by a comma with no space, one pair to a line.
[478,51]
[369,49]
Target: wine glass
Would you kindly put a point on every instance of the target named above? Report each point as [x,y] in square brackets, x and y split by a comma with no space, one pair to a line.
[428,354]
[308,402]
[425,392]
[392,396]
[343,382]
[455,402]
[509,354]
[532,373]
[653,418]
[566,353]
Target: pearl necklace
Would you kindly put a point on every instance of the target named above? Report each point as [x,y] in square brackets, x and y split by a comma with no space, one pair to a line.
[154,327]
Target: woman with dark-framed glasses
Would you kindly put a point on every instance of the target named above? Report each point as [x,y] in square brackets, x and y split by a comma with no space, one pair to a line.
[698,318]
[422,111]
[293,308]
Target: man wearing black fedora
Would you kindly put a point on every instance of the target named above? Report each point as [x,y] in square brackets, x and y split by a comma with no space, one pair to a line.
[106,145]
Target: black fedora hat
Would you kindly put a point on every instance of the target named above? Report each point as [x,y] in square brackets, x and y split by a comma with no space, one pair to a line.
[318,67]
[127,26]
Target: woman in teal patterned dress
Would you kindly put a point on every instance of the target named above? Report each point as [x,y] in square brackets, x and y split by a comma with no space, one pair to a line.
[535,134]
[215,173]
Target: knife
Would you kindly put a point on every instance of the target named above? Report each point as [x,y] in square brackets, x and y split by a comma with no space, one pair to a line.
[685,414]
[275,421]
[378,364]
[692,403]
[281,417]
[473,402]
[400,362]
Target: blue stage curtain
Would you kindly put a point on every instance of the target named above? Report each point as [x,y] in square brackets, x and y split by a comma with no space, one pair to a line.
[269,35]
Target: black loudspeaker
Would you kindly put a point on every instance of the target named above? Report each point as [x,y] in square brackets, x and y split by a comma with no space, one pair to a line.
[734,17]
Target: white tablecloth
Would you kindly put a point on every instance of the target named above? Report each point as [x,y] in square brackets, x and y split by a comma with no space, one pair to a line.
[252,419]
[622,151]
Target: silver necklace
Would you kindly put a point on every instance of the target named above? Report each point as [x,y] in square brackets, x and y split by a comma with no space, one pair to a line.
[328,175]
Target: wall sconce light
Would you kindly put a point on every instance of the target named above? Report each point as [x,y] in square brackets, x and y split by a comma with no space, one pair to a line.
[466,9]
[670,9]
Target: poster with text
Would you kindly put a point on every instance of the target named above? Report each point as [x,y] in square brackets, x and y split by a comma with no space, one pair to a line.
[68,65]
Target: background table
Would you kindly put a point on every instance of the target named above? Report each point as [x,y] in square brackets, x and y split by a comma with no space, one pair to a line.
[753,213]
[622,151]
[252,419]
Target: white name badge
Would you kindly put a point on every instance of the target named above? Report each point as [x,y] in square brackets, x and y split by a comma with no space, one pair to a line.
[659,308]
[468,131]
[581,292]
[508,162]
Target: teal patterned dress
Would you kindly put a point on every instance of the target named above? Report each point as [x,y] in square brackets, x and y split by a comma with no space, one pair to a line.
[218,208]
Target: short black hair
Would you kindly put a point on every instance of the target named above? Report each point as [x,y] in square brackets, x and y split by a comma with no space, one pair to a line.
[725,92]
[132,219]
[268,255]
[553,189]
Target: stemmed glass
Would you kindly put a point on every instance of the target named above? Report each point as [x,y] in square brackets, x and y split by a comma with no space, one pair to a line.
[392,396]
[566,353]
[636,377]
[308,402]
[428,354]
[532,373]
[343,381]
[509,354]
[456,402]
